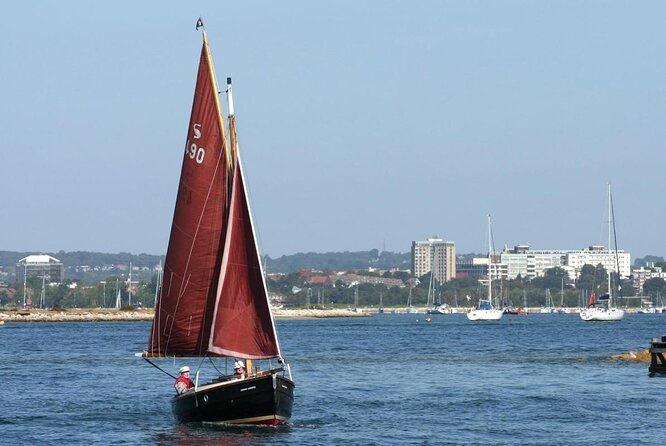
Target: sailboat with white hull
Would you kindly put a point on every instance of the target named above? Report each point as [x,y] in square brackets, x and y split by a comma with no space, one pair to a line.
[434,305]
[604,308]
[213,303]
[485,310]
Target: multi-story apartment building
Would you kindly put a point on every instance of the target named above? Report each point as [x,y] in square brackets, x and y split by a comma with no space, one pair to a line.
[434,255]
[521,261]
[529,264]
[477,268]
[595,255]
[640,275]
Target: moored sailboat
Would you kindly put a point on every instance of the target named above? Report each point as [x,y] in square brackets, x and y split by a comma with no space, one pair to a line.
[213,303]
[549,308]
[434,304]
[485,311]
[411,309]
[604,308]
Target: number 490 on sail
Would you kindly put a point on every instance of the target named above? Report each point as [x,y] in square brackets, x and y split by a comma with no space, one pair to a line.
[196,153]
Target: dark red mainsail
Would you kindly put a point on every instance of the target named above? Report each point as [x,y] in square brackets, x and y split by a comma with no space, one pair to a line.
[184,309]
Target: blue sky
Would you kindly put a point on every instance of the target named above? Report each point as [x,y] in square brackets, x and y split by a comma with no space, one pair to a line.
[362,124]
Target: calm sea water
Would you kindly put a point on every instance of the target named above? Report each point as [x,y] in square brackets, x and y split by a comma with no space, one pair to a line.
[388,379]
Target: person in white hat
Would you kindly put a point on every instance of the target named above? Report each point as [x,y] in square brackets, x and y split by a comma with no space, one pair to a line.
[239,368]
[183,382]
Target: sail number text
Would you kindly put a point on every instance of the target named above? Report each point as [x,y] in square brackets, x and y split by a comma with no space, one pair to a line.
[196,153]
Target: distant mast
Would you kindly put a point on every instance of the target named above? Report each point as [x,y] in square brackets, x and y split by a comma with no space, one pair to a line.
[610,253]
[490,244]
[158,284]
[129,287]
[117,294]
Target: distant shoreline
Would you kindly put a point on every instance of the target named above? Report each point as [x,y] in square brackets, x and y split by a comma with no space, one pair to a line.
[113,315]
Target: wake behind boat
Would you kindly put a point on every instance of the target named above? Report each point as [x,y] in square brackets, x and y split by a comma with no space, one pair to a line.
[213,303]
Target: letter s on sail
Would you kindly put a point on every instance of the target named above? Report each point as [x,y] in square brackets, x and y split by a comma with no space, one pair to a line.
[193,151]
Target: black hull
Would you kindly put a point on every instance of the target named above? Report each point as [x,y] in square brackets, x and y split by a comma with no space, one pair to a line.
[265,399]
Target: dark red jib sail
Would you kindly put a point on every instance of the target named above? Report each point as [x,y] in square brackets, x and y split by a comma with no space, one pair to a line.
[184,311]
[243,325]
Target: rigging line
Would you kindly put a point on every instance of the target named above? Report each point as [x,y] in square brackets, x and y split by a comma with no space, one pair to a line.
[201,362]
[213,364]
[617,257]
[159,368]
[157,313]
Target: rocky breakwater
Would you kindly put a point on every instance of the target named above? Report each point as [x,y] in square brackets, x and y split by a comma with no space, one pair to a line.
[639,356]
[109,314]
[315,313]
[76,315]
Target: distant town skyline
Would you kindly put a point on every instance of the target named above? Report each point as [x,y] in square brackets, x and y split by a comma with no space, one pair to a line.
[362,125]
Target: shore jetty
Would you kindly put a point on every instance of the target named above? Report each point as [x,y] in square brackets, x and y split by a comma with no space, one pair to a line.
[316,313]
[109,314]
[76,315]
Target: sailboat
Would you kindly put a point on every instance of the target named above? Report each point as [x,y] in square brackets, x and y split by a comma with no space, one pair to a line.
[213,303]
[434,305]
[485,311]
[549,308]
[118,298]
[356,308]
[562,309]
[411,309]
[603,308]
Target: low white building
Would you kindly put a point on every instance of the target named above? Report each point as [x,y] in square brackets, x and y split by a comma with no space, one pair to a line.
[595,255]
[529,264]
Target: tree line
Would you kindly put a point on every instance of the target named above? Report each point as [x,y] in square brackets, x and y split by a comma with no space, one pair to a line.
[90,291]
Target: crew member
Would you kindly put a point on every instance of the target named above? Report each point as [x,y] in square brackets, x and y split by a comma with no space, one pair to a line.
[183,382]
[239,369]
